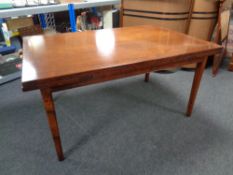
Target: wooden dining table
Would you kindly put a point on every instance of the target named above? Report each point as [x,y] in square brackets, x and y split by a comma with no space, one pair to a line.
[58,62]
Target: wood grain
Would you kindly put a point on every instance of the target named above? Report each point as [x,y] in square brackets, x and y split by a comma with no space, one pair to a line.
[196,83]
[147,77]
[52,120]
[62,61]
[230,68]
[74,58]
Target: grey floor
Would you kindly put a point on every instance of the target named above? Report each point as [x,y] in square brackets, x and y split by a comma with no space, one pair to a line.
[122,127]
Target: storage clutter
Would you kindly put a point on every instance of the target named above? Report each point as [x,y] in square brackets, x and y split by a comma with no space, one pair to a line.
[23,3]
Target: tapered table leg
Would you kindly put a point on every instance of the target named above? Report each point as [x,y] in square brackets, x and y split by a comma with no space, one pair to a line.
[52,120]
[147,77]
[196,83]
[216,64]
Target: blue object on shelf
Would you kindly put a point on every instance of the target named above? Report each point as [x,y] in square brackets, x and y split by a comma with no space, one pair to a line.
[2,39]
[1,20]
[94,10]
[42,21]
[72,18]
[7,50]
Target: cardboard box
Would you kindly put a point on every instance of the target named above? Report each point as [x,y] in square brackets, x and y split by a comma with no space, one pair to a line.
[31,30]
[17,23]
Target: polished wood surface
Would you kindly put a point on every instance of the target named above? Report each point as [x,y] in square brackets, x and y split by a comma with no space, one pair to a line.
[230,68]
[200,67]
[52,120]
[49,59]
[147,77]
[62,61]
[194,17]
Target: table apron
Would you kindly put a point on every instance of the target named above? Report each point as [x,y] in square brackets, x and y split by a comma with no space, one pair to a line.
[112,73]
[116,73]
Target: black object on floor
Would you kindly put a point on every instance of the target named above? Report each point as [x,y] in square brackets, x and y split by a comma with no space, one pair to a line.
[10,68]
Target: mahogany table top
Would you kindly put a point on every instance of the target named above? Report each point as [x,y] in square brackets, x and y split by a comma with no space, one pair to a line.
[50,58]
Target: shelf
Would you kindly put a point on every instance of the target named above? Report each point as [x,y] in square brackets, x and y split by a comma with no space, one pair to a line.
[14,12]
[95,3]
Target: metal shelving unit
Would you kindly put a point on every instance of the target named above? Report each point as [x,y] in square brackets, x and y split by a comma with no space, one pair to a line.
[23,11]
[41,10]
[95,3]
[14,12]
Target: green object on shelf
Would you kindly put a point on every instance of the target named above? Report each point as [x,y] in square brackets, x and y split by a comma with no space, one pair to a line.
[5,5]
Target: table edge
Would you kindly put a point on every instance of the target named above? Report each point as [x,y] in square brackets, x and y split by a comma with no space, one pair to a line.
[54,82]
